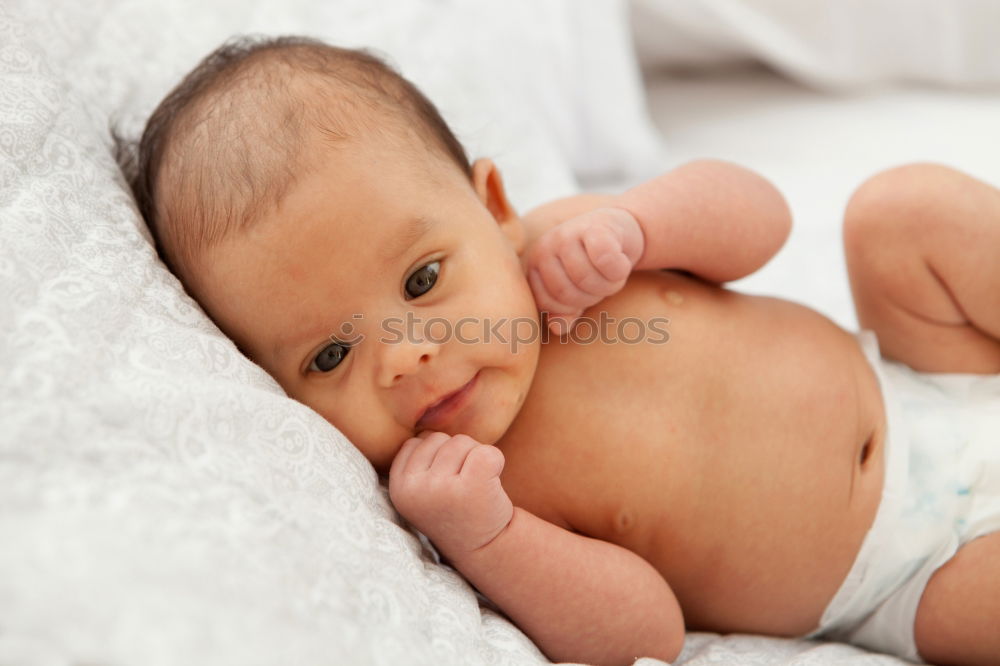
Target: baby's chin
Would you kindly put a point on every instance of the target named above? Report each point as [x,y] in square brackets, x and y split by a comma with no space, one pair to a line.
[501,415]
[489,433]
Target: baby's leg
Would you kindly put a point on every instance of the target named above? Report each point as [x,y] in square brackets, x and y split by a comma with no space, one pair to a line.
[922,244]
[959,613]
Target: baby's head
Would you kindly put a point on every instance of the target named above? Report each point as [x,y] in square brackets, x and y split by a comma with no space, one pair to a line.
[319,209]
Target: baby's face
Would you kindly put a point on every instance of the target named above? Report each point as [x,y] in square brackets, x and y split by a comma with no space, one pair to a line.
[409,258]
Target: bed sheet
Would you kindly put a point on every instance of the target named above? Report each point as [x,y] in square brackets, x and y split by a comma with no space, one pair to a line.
[816,147]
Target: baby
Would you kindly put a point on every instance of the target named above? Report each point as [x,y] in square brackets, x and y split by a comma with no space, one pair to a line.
[650,452]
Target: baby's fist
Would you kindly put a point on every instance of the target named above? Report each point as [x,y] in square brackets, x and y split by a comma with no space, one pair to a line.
[448,487]
[581,262]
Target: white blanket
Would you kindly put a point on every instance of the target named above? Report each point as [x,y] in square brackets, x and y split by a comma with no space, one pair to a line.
[162,501]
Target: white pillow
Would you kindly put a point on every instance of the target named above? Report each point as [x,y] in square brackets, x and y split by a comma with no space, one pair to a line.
[829,43]
[161,500]
[521,81]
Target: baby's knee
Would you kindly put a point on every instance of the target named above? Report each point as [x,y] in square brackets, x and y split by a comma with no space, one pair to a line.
[901,199]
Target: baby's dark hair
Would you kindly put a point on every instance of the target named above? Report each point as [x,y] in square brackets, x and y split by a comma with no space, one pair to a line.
[221,148]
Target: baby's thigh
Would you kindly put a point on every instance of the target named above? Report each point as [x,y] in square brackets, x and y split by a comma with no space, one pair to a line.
[959,611]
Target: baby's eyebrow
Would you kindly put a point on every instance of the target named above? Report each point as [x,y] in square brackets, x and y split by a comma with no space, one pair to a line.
[410,233]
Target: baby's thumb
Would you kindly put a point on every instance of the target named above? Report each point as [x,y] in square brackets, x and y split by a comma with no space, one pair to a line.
[561,324]
[484,462]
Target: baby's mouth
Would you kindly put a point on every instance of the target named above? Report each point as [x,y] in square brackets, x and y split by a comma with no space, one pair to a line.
[439,412]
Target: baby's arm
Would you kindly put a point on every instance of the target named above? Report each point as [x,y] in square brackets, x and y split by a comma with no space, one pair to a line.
[711,218]
[579,599]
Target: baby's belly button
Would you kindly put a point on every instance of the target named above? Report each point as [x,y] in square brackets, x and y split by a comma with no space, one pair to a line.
[871,477]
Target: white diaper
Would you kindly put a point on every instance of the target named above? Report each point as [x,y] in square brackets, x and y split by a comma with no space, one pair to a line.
[942,489]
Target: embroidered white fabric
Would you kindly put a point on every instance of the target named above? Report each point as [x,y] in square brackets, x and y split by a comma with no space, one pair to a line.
[161,500]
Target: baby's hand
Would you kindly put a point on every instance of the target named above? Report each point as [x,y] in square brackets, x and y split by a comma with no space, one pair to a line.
[449,488]
[582,261]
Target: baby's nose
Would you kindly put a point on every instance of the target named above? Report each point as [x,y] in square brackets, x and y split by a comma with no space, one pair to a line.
[403,358]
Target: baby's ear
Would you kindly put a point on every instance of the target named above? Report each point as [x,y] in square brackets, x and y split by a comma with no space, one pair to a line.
[489,188]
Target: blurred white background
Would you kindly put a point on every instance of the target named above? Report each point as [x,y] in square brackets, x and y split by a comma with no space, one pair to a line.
[818,96]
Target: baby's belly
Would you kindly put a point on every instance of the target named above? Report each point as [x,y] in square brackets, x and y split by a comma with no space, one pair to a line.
[742,458]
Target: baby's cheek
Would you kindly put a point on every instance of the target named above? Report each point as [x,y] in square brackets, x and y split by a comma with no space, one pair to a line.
[525,297]
[379,447]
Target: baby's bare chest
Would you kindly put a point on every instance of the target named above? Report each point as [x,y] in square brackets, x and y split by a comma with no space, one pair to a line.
[723,449]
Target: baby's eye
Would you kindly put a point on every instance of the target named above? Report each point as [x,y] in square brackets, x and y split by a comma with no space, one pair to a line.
[329,357]
[422,279]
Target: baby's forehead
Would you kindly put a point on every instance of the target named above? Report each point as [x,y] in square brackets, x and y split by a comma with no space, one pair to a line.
[237,156]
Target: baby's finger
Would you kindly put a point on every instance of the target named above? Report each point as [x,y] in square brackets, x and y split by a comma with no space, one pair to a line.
[581,270]
[566,295]
[561,324]
[543,299]
[403,456]
[451,456]
[483,463]
[424,452]
[604,249]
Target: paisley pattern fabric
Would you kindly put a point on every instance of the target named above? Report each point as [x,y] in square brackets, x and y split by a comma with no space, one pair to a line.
[161,500]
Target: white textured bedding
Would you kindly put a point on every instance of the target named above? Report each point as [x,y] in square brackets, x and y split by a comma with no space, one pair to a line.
[817,148]
[161,501]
